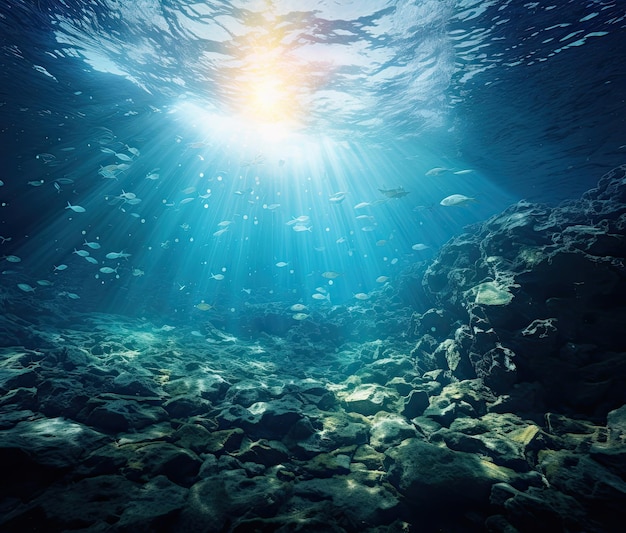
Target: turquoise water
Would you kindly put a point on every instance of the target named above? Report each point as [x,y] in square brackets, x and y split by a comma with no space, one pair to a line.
[234,152]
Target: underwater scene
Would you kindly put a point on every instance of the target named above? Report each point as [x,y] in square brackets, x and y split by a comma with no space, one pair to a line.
[324,266]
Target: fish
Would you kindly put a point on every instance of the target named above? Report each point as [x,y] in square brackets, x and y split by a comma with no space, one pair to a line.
[123,157]
[301,227]
[368,228]
[92,245]
[337,198]
[298,307]
[13,258]
[133,151]
[75,208]
[382,279]
[362,205]
[71,295]
[320,296]
[301,220]
[152,176]
[420,247]
[225,223]
[271,207]
[108,270]
[60,267]
[361,296]
[463,172]
[281,264]
[218,277]
[137,272]
[189,190]
[117,255]
[456,199]
[330,274]
[91,260]
[26,287]
[126,195]
[220,232]
[81,253]
[300,316]
[203,306]
[437,171]
[44,283]
[37,183]
[196,145]
[186,200]
[394,193]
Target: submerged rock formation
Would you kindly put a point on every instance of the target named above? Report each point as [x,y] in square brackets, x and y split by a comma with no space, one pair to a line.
[502,407]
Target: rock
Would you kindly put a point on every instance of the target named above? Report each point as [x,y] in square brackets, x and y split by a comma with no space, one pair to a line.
[369,399]
[435,478]
[468,398]
[584,479]
[454,357]
[94,502]
[216,501]
[155,506]
[146,461]
[346,497]
[537,509]
[227,440]
[211,387]
[119,415]
[390,430]
[129,384]
[263,452]
[337,429]
[327,465]
[610,449]
[183,406]
[415,404]
[54,442]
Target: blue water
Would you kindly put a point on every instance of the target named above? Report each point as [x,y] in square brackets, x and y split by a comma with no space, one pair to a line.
[233,119]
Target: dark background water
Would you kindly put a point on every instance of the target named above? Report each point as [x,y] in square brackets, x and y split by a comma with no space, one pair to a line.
[494,89]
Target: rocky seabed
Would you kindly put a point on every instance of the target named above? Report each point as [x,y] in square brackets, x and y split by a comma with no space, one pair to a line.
[499,407]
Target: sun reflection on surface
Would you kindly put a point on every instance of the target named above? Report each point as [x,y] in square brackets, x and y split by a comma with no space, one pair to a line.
[271,83]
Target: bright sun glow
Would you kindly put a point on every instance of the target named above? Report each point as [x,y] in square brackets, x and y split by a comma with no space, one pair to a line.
[268,95]
[270,84]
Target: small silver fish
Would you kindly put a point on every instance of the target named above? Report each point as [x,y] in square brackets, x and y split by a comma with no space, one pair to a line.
[75,208]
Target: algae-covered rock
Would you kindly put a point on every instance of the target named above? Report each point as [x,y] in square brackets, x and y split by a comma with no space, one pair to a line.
[369,399]
[389,430]
[491,293]
[434,477]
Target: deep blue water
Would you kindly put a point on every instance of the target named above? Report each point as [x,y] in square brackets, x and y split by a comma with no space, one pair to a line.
[252,114]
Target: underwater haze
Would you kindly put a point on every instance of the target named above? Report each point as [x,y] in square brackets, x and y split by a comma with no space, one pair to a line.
[302,244]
